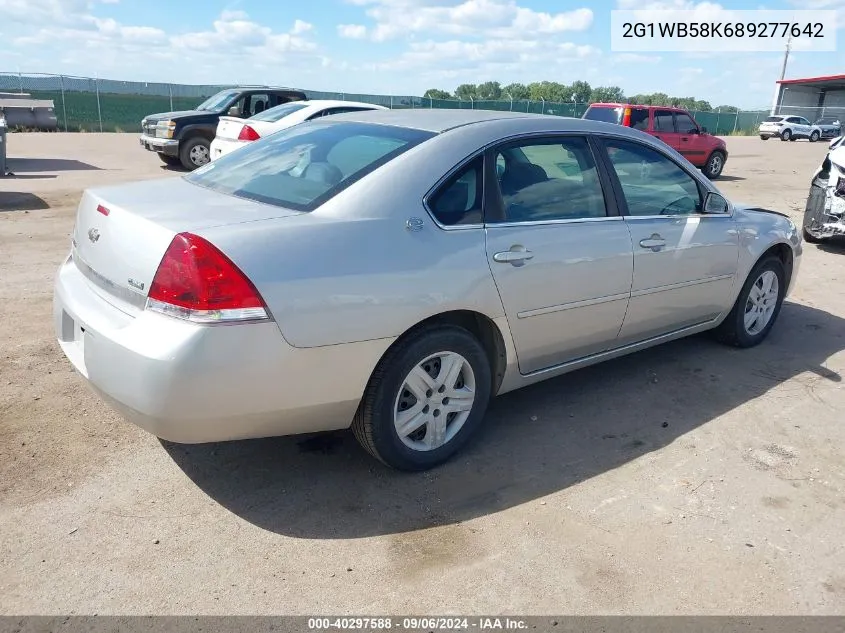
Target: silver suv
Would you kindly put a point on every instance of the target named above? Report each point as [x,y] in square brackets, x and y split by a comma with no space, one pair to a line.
[789,128]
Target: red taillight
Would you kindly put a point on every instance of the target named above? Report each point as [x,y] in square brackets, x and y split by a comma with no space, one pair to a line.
[626,117]
[102,209]
[196,282]
[248,134]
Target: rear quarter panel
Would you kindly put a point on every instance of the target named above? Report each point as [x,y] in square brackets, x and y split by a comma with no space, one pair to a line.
[351,270]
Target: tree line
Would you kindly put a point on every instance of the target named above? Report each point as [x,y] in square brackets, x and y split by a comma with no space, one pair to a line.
[577,91]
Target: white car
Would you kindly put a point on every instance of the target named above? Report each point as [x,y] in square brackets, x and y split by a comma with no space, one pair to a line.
[788,128]
[233,132]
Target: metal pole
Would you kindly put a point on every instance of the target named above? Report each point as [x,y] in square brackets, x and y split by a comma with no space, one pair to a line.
[718,118]
[431,102]
[20,81]
[391,102]
[511,98]
[99,112]
[64,109]
[527,105]
[543,110]
[736,119]
[170,91]
[785,58]
[471,103]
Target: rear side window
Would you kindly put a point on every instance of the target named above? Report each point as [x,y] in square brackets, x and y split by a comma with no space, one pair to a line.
[639,119]
[773,119]
[608,115]
[458,201]
[663,121]
[304,166]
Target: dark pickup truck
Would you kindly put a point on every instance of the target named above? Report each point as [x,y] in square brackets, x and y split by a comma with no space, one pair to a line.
[184,138]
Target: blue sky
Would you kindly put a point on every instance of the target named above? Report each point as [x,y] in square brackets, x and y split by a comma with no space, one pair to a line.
[384,46]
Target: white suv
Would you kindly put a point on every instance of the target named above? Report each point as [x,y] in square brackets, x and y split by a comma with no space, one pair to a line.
[789,128]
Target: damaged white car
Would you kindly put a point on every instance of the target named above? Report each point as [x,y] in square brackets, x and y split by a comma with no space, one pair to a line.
[824,215]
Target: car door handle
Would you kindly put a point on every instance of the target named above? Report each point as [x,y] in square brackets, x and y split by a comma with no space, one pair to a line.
[655,242]
[516,255]
[684,138]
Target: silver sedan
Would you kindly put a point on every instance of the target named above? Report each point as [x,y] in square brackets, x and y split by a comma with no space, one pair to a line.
[392,271]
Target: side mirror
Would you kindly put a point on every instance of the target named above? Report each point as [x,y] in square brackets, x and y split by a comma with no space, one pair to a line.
[715,203]
[234,111]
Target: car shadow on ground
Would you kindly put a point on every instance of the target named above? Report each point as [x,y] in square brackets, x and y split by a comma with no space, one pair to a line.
[536,441]
[21,201]
[725,178]
[833,245]
[39,165]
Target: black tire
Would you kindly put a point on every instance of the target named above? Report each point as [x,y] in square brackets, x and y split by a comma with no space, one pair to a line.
[373,425]
[732,330]
[786,135]
[191,151]
[172,161]
[764,138]
[714,165]
[813,214]
[815,136]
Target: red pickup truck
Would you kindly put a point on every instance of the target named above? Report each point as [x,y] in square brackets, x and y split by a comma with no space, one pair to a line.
[673,126]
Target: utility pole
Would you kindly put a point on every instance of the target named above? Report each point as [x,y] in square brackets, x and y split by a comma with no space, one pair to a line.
[785,58]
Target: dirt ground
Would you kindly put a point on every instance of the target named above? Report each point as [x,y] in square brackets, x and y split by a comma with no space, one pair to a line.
[691,478]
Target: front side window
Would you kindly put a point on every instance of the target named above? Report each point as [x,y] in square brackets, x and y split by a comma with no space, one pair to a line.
[652,183]
[458,201]
[550,179]
[304,166]
[685,123]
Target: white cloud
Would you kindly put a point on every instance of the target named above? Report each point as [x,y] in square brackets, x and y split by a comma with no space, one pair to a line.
[300,26]
[635,58]
[471,18]
[352,31]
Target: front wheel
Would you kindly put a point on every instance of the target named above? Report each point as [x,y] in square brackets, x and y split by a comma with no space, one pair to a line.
[813,215]
[194,153]
[815,136]
[425,399]
[757,307]
[714,166]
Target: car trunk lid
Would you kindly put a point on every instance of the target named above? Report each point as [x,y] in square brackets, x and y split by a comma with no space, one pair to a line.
[229,128]
[122,232]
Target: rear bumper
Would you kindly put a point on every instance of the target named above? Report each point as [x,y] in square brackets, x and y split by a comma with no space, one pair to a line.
[769,132]
[221,147]
[166,146]
[192,384]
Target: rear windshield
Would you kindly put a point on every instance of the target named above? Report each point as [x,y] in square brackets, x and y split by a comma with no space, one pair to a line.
[773,119]
[279,112]
[306,165]
[608,115]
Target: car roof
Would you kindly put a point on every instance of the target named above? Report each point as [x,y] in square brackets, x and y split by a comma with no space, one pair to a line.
[636,105]
[435,119]
[336,103]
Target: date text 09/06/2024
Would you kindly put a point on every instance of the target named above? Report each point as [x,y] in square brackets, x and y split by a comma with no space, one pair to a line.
[417,624]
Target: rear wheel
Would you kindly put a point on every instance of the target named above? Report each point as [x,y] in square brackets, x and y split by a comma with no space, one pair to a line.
[194,152]
[815,136]
[764,138]
[714,165]
[757,307]
[173,161]
[786,135]
[425,399]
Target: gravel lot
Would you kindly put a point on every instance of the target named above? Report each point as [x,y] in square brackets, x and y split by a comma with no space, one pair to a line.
[690,478]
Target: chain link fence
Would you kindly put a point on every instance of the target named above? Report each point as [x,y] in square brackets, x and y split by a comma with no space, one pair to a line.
[85,104]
